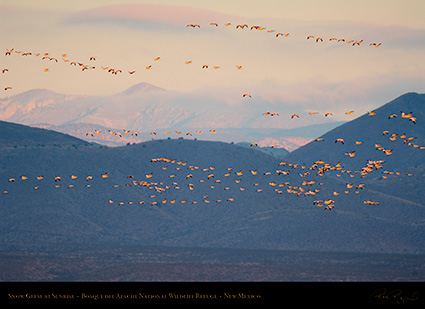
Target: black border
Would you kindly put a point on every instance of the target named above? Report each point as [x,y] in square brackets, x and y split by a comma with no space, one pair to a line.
[218,293]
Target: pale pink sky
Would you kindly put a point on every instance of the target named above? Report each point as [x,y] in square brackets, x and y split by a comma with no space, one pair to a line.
[129,35]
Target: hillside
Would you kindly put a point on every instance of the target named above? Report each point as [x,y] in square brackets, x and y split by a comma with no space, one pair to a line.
[275,151]
[396,143]
[404,139]
[17,136]
[190,193]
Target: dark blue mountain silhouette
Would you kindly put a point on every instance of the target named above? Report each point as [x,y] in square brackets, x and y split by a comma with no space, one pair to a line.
[215,194]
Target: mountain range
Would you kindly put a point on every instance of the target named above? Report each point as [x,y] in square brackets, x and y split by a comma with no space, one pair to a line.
[144,108]
[194,193]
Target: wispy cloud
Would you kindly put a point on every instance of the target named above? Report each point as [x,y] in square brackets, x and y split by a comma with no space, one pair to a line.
[147,13]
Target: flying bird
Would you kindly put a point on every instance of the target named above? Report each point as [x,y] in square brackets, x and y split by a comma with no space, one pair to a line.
[350,154]
[403,115]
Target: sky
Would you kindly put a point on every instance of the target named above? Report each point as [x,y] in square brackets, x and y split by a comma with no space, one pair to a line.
[130,35]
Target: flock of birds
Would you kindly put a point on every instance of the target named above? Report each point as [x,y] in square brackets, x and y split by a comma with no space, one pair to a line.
[304,187]
[287,34]
[84,66]
[392,137]
[407,140]
[88,66]
[125,132]
[265,181]
[221,181]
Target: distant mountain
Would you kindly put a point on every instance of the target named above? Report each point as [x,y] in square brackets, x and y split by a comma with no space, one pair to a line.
[145,108]
[140,88]
[194,194]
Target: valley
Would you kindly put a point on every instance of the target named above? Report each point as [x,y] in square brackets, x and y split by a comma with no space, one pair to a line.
[131,263]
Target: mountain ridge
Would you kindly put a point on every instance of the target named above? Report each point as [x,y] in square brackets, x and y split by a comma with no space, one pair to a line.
[140,88]
[374,133]
[207,194]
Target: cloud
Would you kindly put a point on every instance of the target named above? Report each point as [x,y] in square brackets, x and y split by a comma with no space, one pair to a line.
[148,13]
[9,10]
